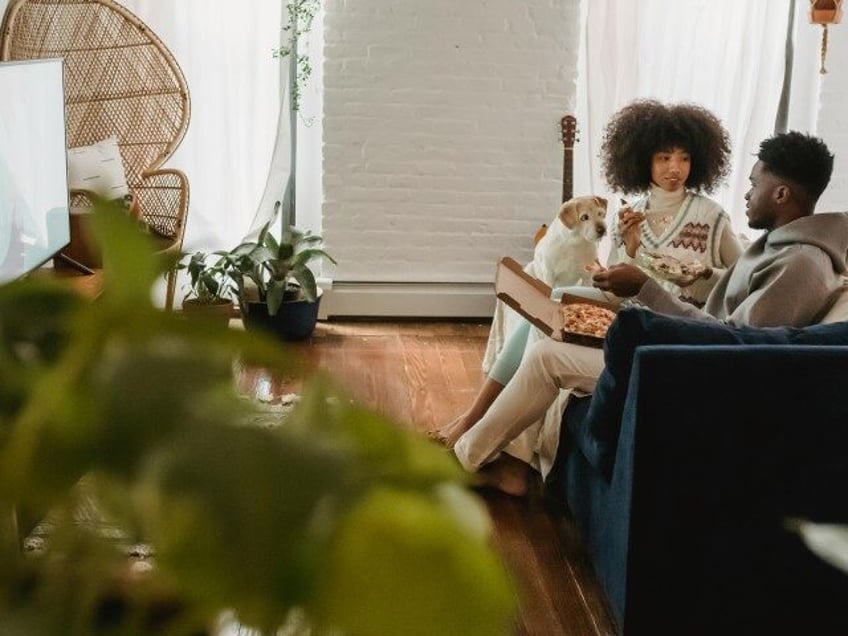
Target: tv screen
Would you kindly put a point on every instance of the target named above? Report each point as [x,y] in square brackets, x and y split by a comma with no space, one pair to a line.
[34,219]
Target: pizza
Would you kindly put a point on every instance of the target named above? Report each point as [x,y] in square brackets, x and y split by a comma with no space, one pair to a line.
[586,319]
[673,269]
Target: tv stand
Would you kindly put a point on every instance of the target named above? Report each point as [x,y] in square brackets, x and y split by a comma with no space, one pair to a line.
[78,277]
[75,264]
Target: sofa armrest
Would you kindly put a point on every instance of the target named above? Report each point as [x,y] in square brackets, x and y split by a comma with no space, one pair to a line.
[731,442]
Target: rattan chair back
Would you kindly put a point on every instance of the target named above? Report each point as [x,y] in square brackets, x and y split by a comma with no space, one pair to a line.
[121,80]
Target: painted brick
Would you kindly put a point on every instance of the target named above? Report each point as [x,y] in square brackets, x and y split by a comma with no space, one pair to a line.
[441,133]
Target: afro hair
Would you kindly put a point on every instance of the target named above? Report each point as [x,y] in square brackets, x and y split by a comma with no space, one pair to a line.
[647,126]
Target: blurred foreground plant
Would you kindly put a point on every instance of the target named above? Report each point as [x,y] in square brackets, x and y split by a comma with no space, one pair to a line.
[335,516]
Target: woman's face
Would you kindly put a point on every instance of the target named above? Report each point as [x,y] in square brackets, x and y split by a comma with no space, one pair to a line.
[670,168]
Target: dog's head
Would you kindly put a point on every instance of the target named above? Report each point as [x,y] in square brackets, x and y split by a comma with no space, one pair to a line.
[586,216]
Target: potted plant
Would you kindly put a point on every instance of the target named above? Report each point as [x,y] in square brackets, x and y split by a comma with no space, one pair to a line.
[276,288]
[211,287]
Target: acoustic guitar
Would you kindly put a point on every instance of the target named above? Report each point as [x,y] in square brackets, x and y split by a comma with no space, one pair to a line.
[568,131]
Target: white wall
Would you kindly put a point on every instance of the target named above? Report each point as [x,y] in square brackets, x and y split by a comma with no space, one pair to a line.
[833,116]
[441,133]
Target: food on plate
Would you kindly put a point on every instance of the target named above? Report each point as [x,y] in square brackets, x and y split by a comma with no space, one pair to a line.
[585,319]
[673,269]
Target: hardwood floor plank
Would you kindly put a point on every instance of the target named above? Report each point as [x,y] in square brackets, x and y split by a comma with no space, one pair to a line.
[538,613]
[430,386]
[415,366]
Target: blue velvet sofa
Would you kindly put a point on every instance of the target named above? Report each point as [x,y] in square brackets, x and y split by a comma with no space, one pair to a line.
[684,470]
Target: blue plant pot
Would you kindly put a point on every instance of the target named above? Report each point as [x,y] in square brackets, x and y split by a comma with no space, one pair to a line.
[294,321]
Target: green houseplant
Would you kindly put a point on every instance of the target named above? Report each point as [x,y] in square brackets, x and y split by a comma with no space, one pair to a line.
[211,287]
[320,521]
[276,288]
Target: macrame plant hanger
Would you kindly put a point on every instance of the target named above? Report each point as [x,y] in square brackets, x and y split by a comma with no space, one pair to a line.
[825,12]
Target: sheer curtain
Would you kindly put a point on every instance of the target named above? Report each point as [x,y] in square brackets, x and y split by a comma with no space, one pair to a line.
[726,55]
[225,50]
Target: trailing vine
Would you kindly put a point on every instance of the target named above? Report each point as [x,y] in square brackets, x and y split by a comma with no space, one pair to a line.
[301,14]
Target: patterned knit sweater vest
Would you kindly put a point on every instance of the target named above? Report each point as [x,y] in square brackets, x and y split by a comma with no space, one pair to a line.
[684,225]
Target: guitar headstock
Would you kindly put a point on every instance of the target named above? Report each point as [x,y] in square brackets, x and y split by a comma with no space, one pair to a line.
[568,129]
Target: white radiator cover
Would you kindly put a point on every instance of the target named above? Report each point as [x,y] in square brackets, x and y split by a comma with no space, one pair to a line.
[409,300]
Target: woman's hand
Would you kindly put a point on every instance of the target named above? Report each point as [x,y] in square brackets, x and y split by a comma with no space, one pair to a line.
[622,280]
[630,229]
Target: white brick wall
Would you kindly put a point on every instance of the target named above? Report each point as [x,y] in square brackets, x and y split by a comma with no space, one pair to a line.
[833,117]
[441,133]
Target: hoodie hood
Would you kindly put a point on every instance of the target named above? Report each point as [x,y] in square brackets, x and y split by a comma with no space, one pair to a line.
[827,230]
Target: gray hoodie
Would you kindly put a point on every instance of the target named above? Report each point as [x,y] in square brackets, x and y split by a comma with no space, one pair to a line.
[788,276]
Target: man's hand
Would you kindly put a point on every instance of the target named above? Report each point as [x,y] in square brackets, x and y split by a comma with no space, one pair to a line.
[630,229]
[622,280]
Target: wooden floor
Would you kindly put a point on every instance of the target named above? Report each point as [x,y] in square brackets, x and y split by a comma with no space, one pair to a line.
[423,374]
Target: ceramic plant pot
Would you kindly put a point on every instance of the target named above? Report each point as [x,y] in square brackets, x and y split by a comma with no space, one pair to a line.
[294,321]
[219,312]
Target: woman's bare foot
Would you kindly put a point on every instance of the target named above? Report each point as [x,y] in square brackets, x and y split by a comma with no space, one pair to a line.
[507,474]
[449,434]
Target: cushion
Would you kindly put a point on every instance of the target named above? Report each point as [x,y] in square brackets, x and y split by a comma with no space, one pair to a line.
[838,311]
[98,168]
[597,433]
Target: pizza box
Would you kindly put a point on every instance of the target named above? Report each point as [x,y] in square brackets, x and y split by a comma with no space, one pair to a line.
[531,298]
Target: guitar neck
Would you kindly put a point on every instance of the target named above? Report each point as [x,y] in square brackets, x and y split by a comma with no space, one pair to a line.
[567,174]
[568,127]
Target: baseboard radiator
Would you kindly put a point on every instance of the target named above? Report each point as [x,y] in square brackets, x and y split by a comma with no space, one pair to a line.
[406,300]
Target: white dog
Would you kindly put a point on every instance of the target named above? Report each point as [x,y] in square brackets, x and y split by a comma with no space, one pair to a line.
[570,244]
[560,259]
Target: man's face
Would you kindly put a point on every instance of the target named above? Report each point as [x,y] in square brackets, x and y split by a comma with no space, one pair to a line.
[760,206]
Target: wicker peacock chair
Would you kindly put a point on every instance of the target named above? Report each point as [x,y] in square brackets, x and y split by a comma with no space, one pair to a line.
[120,80]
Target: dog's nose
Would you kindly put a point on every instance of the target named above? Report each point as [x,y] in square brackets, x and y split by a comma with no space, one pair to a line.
[601,229]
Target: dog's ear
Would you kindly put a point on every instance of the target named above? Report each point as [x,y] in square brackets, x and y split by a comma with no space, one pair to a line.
[568,213]
[601,202]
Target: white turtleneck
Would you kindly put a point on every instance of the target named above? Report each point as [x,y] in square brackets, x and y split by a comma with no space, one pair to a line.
[663,207]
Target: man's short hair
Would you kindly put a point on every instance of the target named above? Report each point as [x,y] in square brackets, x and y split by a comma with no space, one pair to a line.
[803,159]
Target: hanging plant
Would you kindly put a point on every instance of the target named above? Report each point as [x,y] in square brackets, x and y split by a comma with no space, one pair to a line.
[825,12]
[301,14]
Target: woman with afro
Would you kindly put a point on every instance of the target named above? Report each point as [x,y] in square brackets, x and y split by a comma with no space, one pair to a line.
[668,155]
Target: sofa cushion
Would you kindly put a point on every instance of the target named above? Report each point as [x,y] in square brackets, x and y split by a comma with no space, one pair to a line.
[597,433]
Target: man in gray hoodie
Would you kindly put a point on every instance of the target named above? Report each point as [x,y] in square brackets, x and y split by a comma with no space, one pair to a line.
[788,276]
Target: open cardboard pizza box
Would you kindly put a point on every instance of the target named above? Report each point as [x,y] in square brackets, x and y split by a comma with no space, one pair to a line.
[531,298]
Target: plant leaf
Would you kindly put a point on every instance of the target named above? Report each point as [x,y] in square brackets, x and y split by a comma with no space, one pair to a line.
[274,297]
[308,286]
[829,541]
[460,587]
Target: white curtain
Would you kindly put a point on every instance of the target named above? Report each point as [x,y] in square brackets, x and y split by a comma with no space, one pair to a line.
[726,55]
[306,195]
[225,51]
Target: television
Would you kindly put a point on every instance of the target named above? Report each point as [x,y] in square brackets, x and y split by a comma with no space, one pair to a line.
[34,198]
